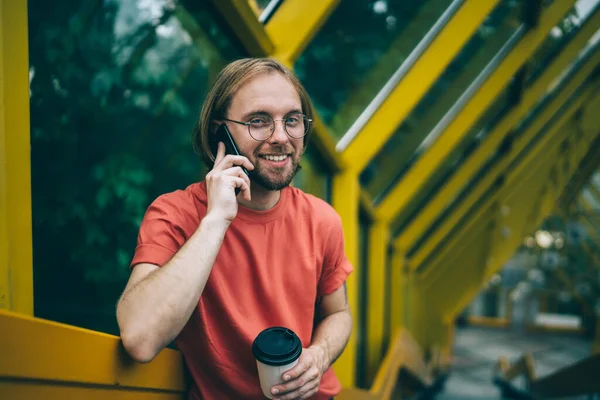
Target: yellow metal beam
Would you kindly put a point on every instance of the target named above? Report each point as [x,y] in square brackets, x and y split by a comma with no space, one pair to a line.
[16,258]
[546,145]
[475,162]
[398,291]
[417,82]
[346,198]
[242,19]
[550,110]
[294,25]
[525,184]
[40,351]
[399,49]
[378,245]
[426,165]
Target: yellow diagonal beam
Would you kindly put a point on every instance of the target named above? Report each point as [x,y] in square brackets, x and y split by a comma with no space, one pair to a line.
[16,255]
[243,21]
[549,111]
[411,89]
[294,25]
[522,185]
[476,160]
[426,165]
[548,142]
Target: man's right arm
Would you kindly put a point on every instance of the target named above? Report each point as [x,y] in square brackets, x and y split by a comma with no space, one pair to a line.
[158,301]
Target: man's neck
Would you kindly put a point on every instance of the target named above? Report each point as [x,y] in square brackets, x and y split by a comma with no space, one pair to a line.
[262,199]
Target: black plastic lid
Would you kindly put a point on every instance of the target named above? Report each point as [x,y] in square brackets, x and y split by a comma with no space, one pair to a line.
[277,346]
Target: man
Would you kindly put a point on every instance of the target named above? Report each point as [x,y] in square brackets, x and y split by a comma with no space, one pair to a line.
[212,269]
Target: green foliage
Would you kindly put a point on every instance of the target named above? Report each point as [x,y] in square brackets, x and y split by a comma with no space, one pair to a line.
[116,87]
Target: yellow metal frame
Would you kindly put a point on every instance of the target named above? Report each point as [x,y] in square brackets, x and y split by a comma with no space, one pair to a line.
[294,24]
[476,161]
[346,198]
[417,82]
[525,180]
[517,146]
[426,165]
[241,17]
[49,358]
[16,256]
[378,244]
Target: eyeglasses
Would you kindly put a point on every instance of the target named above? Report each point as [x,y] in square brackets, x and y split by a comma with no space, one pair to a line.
[261,127]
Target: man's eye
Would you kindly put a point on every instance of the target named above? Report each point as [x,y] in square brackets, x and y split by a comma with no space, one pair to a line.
[258,121]
[292,120]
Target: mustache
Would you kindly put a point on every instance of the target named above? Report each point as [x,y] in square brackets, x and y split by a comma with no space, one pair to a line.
[275,149]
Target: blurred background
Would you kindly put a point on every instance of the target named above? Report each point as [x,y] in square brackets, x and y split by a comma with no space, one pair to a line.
[458,140]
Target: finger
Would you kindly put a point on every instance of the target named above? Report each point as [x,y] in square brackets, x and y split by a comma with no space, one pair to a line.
[294,384]
[242,184]
[220,153]
[310,393]
[232,161]
[237,171]
[302,392]
[300,368]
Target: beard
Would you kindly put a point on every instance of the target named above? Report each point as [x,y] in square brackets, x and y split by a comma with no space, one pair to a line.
[273,179]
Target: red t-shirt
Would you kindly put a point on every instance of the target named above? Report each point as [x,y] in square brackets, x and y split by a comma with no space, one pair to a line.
[270,270]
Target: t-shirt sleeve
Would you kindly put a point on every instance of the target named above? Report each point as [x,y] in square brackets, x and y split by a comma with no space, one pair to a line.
[336,266]
[160,235]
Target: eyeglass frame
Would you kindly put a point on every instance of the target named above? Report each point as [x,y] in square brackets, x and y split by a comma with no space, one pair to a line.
[248,124]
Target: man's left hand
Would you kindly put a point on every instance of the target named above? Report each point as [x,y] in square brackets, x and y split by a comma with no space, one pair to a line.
[302,381]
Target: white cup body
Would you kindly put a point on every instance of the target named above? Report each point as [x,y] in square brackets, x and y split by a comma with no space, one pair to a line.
[270,375]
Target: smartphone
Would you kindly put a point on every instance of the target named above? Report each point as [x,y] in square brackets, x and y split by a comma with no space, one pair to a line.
[223,135]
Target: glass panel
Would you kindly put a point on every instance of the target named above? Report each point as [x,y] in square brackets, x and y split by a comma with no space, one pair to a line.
[116,89]
[591,199]
[314,176]
[265,9]
[559,36]
[500,153]
[403,147]
[452,164]
[596,180]
[357,51]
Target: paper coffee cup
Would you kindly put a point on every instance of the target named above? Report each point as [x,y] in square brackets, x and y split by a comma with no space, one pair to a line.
[276,350]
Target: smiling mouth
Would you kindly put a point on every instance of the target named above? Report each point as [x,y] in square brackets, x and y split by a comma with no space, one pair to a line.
[275,158]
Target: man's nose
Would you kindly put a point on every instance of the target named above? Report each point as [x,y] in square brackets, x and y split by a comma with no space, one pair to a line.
[279,134]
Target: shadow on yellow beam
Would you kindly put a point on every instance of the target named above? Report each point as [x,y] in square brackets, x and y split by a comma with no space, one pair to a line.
[41,359]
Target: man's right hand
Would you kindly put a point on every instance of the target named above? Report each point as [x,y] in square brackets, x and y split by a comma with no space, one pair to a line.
[221,182]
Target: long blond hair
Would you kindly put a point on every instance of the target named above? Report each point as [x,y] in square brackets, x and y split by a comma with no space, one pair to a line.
[228,82]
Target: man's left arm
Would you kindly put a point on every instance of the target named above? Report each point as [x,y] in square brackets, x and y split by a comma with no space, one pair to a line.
[329,340]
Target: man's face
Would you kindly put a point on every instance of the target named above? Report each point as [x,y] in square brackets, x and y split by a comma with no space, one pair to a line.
[274,95]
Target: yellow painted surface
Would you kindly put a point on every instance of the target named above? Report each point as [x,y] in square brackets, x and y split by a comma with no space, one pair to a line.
[295,23]
[398,287]
[378,241]
[417,82]
[60,391]
[521,187]
[346,198]
[241,17]
[40,350]
[426,165]
[519,144]
[16,259]
[476,161]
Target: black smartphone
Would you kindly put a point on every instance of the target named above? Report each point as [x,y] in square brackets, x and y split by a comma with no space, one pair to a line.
[223,135]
